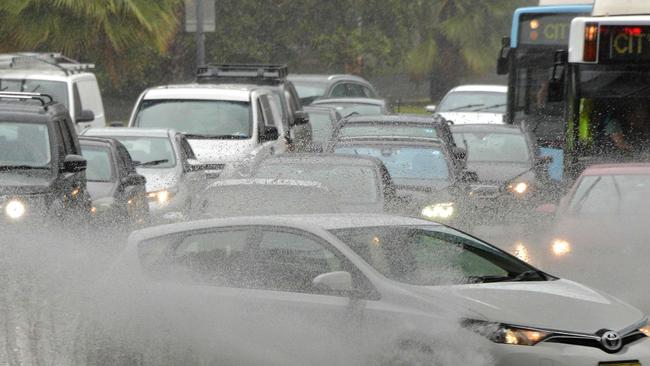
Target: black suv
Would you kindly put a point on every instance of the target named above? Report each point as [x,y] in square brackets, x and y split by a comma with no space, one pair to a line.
[42,172]
[273,78]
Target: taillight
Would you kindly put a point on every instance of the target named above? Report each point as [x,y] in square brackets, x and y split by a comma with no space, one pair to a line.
[591,42]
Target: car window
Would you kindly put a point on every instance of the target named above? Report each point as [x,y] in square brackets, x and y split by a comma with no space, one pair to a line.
[68,139]
[355,91]
[494,147]
[382,130]
[430,256]
[25,144]
[58,90]
[266,109]
[289,262]
[186,149]
[611,195]
[339,91]
[150,152]
[208,118]
[126,161]
[491,102]
[90,97]
[347,109]
[322,126]
[369,93]
[215,258]
[99,163]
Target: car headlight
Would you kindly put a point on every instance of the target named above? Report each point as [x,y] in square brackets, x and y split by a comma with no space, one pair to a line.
[161,197]
[507,334]
[519,188]
[645,329]
[15,209]
[438,211]
[560,247]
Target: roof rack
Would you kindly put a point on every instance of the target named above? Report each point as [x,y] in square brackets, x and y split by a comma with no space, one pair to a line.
[28,96]
[260,74]
[35,60]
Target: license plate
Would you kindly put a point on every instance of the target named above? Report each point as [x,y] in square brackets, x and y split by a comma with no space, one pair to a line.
[621,363]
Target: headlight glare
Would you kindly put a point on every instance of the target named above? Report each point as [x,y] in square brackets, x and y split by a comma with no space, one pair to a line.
[15,209]
[521,252]
[560,247]
[161,197]
[508,334]
[438,211]
[519,188]
[645,330]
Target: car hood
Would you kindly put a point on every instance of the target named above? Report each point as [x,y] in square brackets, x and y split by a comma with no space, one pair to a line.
[499,172]
[99,190]
[461,118]
[16,184]
[221,151]
[556,305]
[158,179]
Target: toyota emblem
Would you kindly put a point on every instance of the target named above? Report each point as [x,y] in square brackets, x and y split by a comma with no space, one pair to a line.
[611,341]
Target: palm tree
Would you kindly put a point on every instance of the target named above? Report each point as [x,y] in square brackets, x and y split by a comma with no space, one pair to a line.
[104,30]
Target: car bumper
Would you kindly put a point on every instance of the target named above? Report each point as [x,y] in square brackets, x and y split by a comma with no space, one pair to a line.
[555,354]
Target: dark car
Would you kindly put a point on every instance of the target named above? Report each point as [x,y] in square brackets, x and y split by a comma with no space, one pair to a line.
[323,122]
[512,177]
[358,184]
[314,86]
[348,107]
[428,182]
[273,78]
[42,172]
[118,192]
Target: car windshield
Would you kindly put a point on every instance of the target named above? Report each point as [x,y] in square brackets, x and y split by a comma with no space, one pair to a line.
[383,130]
[57,89]
[493,147]
[321,126]
[610,195]
[350,184]
[433,256]
[100,168]
[347,109]
[491,102]
[25,145]
[197,118]
[404,162]
[309,91]
[149,152]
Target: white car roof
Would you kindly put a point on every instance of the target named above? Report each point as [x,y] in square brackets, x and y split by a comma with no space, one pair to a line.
[306,222]
[200,91]
[40,74]
[480,88]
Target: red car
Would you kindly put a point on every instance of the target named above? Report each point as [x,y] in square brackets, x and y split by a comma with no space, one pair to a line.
[601,234]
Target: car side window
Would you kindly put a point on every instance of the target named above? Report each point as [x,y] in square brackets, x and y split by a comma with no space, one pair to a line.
[266,109]
[368,92]
[339,91]
[355,91]
[90,97]
[77,100]
[125,162]
[187,149]
[288,261]
[68,139]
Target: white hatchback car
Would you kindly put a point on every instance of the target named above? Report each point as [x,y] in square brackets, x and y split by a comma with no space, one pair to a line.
[473,104]
[298,288]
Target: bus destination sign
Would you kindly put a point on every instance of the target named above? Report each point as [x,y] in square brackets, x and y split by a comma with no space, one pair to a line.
[545,29]
[624,44]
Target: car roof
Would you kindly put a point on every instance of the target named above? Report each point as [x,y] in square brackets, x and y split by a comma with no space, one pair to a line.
[338,159]
[325,78]
[486,127]
[617,169]
[389,140]
[393,118]
[305,222]
[42,74]
[480,88]
[372,101]
[97,140]
[234,92]
[266,182]
[127,131]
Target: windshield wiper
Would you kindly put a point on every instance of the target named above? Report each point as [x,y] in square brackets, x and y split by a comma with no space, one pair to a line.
[578,206]
[463,107]
[21,167]
[530,275]
[489,107]
[151,163]
[215,137]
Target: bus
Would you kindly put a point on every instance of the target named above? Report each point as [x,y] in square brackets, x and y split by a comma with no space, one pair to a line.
[603,82]
[527,57]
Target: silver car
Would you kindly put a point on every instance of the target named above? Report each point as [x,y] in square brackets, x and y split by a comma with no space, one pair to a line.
[343,289]
[165,158]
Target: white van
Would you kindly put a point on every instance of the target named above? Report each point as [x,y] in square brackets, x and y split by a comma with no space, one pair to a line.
[66,80]
[223,123]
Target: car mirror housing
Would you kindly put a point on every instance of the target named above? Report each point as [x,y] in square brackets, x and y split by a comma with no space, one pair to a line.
[74,164]
[469,176]
[334,281]
[86,115]
[301,118]
[134,180]
[270,134]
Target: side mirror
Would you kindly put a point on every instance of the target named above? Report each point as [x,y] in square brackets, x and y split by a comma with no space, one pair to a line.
[116,124]
[469,176]
[546,208]
[503,62]
[134,180]
[431,108]
[334,281]
[86,115]
[270,134]
[460,153]
[301,118]
[74,164]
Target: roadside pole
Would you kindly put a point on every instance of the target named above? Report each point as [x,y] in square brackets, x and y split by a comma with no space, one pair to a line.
[200,18]
[200,37]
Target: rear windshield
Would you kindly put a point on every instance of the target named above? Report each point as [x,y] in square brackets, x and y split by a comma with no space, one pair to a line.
[100,168]
[321,126]
[384,130]
[610,195]
[208,118]
[150,152]
[493,147]
[489,102]
[57,89]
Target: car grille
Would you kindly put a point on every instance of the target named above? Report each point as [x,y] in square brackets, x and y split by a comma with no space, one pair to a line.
[593,340]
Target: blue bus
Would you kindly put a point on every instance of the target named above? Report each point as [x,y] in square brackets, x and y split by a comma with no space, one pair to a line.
[527,57]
